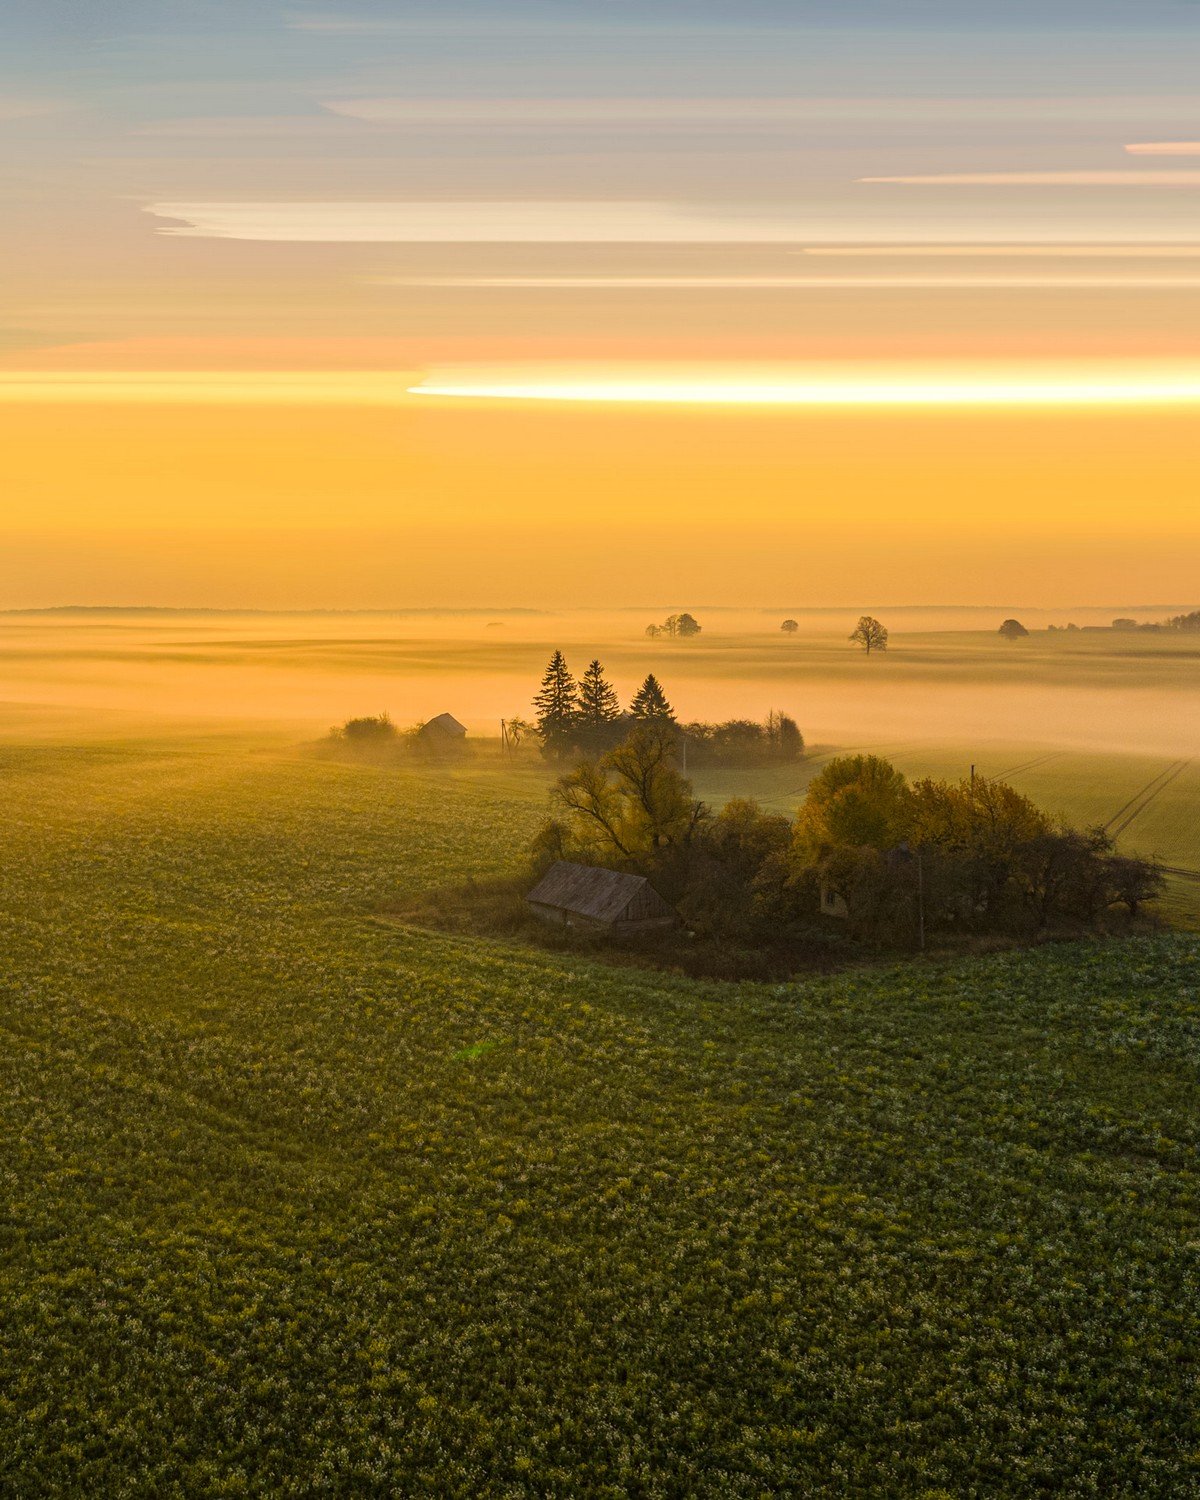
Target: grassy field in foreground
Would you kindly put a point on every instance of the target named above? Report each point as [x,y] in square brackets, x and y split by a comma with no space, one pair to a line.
[297,1204]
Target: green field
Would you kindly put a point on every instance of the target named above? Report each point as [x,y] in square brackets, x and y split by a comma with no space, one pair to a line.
[299,1203]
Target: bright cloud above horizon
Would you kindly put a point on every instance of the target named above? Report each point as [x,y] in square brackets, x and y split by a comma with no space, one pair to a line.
[223,208]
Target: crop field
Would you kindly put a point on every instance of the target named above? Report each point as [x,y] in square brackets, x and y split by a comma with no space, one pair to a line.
[298,1203]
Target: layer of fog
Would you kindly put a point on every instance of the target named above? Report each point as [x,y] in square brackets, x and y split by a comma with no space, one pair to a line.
[1094,690]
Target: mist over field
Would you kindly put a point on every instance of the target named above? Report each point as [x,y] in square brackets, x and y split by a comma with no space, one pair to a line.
[947,678]
[599,750]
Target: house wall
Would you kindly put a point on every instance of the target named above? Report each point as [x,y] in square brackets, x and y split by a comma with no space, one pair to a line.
[646,924]
[561,917]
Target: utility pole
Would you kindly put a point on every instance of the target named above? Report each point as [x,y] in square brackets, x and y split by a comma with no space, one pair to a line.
[921,900]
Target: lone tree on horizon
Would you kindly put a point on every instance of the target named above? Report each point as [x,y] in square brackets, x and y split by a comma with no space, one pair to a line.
[1013,630]
[790,627]
[870,634]
[650,702]
[557,705]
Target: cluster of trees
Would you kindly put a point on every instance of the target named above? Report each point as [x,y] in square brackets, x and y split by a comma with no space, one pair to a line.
[684,625]
[894,861]
[1190,621]
[744,743]
[586,716]
[974,855]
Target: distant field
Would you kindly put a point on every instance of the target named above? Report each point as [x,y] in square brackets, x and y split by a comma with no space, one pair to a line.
[1100,692]
[297,1203]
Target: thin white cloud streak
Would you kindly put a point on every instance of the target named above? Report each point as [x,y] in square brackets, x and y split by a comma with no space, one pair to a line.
[391,110]
[1073,252]
[1103,178]
[549,222]
[794,283]
[204,387]
[812,386]
[1164,148]
[967,390]
[567,222]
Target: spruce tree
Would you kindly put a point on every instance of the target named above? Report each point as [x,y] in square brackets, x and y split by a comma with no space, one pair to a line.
[557,706]
[651,702]
[599,708]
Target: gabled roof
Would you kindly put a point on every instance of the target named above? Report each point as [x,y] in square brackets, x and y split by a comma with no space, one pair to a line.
[602,895]
[444,724]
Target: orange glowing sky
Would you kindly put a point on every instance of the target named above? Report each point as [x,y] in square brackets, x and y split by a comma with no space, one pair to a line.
[846,308]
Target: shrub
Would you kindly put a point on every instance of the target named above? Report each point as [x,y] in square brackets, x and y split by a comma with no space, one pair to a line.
[367,731]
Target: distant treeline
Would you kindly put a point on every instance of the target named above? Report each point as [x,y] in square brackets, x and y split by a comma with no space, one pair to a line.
[1188,622]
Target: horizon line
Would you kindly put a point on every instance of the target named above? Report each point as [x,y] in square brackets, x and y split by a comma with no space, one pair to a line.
[545,611]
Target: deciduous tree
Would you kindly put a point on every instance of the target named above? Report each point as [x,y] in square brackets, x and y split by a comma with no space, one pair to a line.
[857,801]
[633,803]
[870,634]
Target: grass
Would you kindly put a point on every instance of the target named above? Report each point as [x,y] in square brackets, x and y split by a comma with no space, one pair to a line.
[297,1203]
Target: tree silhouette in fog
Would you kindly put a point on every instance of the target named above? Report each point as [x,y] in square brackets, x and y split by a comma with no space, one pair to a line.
[870,634]
[650,702]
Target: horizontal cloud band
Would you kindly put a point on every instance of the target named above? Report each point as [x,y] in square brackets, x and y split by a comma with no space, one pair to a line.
[876,386]
[847,391]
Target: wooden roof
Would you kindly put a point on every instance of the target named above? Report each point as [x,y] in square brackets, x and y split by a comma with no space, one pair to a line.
[598,894]
[444,724]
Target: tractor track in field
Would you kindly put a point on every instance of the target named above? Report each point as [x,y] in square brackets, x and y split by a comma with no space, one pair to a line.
[827,755]
[1180,872]
[1140,801]
[1027,765]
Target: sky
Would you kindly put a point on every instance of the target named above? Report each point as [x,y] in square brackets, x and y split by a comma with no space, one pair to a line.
[395,305]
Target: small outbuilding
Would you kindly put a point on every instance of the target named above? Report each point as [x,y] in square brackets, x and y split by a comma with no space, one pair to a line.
[444,730]
[604,900]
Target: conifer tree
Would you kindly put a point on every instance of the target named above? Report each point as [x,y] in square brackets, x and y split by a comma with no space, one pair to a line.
[599,708]
[557,706]
[650,701]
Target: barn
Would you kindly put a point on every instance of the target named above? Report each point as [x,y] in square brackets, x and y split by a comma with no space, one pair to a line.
[605,900]
[443,730]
